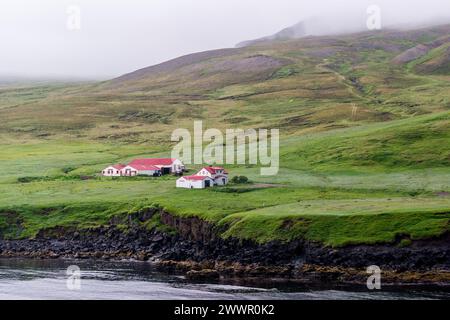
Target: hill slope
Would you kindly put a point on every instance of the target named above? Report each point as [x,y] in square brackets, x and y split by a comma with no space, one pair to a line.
[299,85]
[436,61]
[365,141]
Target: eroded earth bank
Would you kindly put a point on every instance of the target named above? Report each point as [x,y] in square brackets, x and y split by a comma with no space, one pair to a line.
[194,247]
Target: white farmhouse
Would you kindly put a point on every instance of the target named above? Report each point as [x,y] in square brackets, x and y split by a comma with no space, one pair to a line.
[195,182]
[205,178]
[218,174]
[113,171]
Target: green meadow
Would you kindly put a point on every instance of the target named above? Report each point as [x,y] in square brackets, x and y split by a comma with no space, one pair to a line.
[364,149]
[49,184]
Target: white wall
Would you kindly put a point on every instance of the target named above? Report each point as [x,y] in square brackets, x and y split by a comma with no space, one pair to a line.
[178,166]
[124,171]
[198,184]
[220,182]
[183,183]
[192,184]
[115,172]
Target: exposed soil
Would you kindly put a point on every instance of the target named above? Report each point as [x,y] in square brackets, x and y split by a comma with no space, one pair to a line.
[197,247]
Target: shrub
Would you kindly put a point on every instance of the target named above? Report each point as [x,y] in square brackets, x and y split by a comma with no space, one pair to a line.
[239,179]
[67,170]
[232,190]
[31,179]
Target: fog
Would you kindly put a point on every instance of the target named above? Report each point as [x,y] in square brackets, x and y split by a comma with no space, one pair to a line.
[47,38]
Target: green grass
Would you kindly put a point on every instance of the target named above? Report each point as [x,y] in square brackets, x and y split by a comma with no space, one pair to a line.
[343,222]
[378,147]
[331,204]
[374,175]
[437,61]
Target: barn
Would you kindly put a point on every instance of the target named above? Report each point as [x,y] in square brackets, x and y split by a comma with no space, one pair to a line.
[195,182]
[166,165]
[141,170]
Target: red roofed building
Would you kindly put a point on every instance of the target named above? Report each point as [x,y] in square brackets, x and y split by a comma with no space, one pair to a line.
[141,170]
[207,177]
[147,167]
[218,174]
[195,182]
[166,165]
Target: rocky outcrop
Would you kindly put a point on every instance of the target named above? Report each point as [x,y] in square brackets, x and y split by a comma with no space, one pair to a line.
[196,246]
[203,274]
[192,228]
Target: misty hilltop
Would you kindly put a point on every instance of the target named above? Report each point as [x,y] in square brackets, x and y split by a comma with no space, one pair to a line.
[311,27]
[294,32]
[333,26]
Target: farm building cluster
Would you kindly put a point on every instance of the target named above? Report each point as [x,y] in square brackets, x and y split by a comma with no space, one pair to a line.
[205,178]
[145,167]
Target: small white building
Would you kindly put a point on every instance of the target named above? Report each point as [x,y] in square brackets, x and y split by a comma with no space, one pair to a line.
[141,170]
[195,182]
[113,171]
[206,177]
[218,174]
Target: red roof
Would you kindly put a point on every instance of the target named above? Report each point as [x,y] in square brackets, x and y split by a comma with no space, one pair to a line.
[213,170]
[153,162]
[196,178]
[119,166]
[144,167]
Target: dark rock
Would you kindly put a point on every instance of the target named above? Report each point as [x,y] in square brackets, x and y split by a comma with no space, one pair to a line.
[198,241]
[205,274]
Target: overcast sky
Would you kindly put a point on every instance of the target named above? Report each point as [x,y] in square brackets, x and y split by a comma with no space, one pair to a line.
[119,36]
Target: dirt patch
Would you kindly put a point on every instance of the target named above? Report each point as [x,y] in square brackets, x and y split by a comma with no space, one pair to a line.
[443,194]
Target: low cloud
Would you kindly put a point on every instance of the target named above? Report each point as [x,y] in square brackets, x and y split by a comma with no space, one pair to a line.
[109,38]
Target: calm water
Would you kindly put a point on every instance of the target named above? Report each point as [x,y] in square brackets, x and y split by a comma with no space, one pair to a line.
[38,279]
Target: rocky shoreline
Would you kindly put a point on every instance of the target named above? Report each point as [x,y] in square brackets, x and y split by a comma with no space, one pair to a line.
[196,250]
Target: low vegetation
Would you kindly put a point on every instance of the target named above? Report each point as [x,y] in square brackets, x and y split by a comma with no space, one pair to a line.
[365,147]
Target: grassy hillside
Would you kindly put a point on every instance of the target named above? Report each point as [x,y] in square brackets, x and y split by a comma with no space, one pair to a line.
[365,147]
[436,61]
[420,142]
[318,201]
[303,85]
